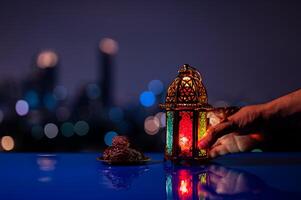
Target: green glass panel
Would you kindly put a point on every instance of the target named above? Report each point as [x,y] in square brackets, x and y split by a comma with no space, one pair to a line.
[169,132]
[202,130]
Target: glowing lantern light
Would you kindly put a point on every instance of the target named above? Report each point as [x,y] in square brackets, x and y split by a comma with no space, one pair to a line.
[186,116]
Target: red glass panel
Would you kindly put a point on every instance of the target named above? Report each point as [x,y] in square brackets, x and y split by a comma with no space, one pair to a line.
[185,133]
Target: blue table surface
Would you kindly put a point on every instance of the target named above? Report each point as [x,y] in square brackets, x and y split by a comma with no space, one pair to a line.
[81,176]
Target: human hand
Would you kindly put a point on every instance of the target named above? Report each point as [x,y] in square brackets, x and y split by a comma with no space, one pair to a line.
[246,121]
[234,142]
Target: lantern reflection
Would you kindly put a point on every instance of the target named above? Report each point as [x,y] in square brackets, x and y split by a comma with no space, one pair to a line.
[213,182]
[185,183]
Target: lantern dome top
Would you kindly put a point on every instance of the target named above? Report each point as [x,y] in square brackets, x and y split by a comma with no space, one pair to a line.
[186,91]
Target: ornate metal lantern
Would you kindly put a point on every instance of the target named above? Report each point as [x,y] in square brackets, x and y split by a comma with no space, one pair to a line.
[186,116]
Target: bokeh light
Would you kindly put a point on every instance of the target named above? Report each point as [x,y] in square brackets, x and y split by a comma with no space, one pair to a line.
[151,125]
[37,132]
[7,143]
[116,114]
[47,59]
[62,113]
[32,98]
[92,91]
[22,107]
[1,116]
[161,116]
[67,129]
[156,86]
[60,92]
[49,101]
[81,128]
[51,130]
[108,46]
[109,137]
[147,98]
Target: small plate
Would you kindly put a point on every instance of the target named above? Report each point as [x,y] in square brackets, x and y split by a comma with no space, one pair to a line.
[136,162]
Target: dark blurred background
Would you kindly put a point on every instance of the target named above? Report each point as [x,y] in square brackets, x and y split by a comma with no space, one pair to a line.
[73,74]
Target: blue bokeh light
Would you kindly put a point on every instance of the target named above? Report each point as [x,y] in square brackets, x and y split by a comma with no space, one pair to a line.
[116,114]
[156,86]
[109,137]
[32,98]
[49,101]
[93,91]
[147,98]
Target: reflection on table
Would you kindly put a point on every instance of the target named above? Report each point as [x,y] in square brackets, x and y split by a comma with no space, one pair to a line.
[118,177]
[217,182]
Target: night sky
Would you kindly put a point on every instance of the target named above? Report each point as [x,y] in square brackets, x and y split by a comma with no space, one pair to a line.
[246,50]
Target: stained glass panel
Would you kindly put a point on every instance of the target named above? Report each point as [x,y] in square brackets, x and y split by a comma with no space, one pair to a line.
[202,127]
[169,132]
[185,133]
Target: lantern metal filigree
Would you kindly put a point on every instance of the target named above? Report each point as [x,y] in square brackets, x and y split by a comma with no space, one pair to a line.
[186,106]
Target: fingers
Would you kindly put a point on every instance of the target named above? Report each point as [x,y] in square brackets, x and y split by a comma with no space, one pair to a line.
[213,133]
[218,151]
